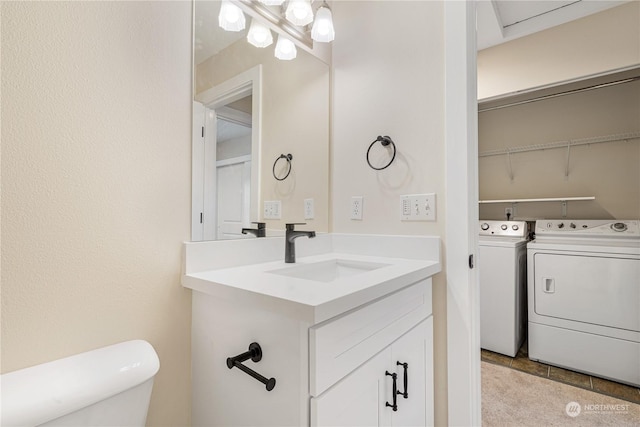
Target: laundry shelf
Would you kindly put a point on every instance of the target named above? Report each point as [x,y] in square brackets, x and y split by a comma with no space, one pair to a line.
[546,199]
[559,144]
[562,200]
[562,144]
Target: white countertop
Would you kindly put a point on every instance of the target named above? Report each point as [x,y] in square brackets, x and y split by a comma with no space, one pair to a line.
[310,300]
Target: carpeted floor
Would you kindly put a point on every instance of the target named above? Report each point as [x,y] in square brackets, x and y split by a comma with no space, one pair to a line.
[513,398]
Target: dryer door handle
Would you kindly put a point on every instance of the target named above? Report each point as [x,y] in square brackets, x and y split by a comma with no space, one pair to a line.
[549,285]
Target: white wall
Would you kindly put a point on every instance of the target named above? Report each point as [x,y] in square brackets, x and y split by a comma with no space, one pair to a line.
[96,185]
[594,44]
[234,147]
[392,86]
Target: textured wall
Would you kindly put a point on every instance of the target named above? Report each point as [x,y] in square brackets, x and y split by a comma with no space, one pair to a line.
[391,86]
[594,44]
[96,185]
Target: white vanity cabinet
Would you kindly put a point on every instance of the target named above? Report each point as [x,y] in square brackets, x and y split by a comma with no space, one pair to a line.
[365,397]
[329,373]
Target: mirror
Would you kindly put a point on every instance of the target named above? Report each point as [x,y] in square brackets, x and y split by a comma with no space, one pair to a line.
[249,109]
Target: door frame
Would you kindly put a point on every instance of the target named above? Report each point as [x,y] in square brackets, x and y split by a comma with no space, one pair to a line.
[461,141]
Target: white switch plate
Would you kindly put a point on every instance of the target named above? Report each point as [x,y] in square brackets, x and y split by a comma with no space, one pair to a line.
[308,209]
[356,207]
[272,209]
[418,207]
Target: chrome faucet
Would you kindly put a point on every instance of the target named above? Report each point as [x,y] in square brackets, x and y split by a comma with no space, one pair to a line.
[259,231]
[289,241]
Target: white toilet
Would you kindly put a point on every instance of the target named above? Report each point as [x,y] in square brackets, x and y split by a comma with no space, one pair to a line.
[110,386]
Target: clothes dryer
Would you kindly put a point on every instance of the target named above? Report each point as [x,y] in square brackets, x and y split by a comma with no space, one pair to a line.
[502,265]
[584,297]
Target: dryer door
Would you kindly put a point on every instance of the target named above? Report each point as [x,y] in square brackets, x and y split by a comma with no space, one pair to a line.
[595,289]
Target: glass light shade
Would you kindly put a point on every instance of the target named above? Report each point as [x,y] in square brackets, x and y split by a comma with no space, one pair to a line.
[231,17]
[259,35]
[299,12]
[322,30]
[285,49]
[272,2]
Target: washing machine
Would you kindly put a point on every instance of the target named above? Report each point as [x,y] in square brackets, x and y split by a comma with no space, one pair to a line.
[502,269]
[584,297]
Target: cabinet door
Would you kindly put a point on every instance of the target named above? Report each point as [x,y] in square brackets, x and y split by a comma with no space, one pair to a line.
[415,350]
[358,399]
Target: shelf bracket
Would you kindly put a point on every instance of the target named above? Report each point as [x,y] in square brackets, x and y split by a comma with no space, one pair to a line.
[566,167]
[564,209]
[510,167]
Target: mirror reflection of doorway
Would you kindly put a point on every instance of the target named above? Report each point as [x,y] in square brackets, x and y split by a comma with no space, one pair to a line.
[222,154]
[233,175]
[233,105]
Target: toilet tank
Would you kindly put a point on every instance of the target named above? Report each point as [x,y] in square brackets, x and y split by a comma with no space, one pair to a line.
[110,386]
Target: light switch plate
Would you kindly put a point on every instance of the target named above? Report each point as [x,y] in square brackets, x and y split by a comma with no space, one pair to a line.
[356,207]
[272,209]
[418,207]
[308,209]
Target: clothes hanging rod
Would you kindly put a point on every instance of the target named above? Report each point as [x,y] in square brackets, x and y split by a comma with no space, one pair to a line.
[555,95]
[562,144]
[546,199]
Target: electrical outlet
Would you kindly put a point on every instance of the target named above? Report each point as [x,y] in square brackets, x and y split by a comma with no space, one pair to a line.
[356,207]
[508,213]
[308,209]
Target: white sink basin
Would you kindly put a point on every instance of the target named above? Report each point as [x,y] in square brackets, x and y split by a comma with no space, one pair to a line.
[329,270]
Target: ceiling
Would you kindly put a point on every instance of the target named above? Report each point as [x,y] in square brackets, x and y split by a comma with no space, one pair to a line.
[500,21]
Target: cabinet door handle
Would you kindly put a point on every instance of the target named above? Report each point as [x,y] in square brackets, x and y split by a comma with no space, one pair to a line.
[395,391]
[404,394]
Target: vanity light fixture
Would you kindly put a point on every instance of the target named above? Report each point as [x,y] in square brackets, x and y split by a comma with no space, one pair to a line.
[285,49]
[299,12]
[322,30]
[231,18]
[259,35]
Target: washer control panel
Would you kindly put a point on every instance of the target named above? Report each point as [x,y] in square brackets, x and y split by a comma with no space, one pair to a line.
[587,228]
[503,228]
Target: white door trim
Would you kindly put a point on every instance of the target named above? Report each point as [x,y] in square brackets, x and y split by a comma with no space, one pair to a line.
[237,87]
[461,128]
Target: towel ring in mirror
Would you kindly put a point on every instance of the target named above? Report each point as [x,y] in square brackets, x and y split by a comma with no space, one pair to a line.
[288,158]
[385,141]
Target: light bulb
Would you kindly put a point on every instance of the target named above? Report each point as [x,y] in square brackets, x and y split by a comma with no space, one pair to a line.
[299,12]
[322,30]
[272,2]
[259,35]
[231,17]
[285,49]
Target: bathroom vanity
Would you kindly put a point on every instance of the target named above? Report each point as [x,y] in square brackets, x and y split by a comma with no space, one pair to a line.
[346,331]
